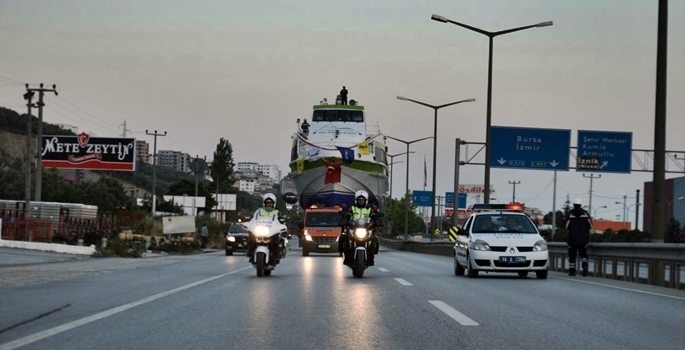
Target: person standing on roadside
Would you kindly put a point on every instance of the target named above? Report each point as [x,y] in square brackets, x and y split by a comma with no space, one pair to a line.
[205,235]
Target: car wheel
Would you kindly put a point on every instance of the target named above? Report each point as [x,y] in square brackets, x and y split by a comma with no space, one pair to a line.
[523,274]
[228,252]
[473,273]
[305,252]
[541,275]
[458,269]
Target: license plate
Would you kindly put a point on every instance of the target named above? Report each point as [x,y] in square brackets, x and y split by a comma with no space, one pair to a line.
[512,259]
[324,245]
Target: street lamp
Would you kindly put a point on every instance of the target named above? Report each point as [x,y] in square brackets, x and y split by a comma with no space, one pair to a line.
[392,173]
[435,144]
[595,210]
[406,188]
[488,120]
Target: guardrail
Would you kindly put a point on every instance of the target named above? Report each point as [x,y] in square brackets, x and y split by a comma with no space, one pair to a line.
[659,264]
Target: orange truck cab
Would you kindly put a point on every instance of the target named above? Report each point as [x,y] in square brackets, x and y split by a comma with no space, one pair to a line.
[321,228]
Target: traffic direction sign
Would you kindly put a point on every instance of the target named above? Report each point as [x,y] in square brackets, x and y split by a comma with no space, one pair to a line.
[604,151]
[449,200]
[529,148]
[422,198]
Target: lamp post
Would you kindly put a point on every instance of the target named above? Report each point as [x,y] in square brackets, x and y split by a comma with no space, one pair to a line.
[488,120]
[406,188]
[594,210]
[392,173]
[435,145]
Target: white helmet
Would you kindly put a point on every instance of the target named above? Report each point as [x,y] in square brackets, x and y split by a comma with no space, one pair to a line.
[361,193]
[269,196]
[578,201]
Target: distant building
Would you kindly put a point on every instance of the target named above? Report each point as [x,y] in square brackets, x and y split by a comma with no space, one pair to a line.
[174,159]
[270,170]
[674,197]
[143,150]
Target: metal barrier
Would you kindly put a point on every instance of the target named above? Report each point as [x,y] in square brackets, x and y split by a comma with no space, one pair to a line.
[659,264]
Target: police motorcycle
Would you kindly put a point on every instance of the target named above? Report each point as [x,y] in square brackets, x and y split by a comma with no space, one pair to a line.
[266,232]
[359,243]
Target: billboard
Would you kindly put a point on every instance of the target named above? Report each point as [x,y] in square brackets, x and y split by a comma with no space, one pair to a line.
[90,153]
[178,224]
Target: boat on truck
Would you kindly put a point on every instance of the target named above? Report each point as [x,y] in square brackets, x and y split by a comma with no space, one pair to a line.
[335,152]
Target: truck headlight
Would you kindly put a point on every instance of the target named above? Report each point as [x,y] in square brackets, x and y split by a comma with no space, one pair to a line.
[307,237]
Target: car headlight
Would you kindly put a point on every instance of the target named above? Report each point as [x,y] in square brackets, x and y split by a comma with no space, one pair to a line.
[540,246]
[480,245]
[230,239]
[360,233]
[261,231]
[307,236]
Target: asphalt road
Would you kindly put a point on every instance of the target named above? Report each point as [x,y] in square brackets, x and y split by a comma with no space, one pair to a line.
[407,301]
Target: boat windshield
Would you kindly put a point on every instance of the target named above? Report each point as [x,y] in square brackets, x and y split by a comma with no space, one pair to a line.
[332,115]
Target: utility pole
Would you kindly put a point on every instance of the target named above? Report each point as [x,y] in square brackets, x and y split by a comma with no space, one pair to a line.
[154,171]
[39,138]
[591,177]
[28,96]
[625,210]
[196,170]
[513,196]
[637,207]
[123,134]
[554,206]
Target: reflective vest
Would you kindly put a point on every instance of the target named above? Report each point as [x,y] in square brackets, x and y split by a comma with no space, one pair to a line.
[267,212]
[358,213]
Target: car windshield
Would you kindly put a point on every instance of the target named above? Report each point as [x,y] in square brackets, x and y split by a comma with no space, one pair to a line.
[503,223]
[237,228]
[322,220]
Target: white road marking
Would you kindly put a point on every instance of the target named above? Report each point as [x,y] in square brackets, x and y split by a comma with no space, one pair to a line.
[403,282]
[383,270]
[452,312]
[71,325]
[622,288]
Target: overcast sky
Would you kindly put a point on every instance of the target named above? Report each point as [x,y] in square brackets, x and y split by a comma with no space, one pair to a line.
[246,71]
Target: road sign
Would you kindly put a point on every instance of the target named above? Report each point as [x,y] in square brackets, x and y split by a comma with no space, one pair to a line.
[453,233]
[604,151]
[437,232]
[422,198]
[449,199]
[529,148]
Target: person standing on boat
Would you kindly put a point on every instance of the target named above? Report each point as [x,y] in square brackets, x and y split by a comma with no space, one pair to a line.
[343,95]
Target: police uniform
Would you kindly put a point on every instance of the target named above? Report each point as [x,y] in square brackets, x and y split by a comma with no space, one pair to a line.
[578,224]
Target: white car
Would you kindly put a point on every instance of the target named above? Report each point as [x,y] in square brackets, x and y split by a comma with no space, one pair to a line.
[500,238]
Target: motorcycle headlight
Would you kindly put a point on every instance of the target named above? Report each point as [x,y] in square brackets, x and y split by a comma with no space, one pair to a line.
[261,231]
[307,236]
[230,239]
[480,245]
[360,233]
[540,246]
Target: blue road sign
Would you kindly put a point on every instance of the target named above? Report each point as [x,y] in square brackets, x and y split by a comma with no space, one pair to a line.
[529,148]
[422,198]
[449,199]
[604,151]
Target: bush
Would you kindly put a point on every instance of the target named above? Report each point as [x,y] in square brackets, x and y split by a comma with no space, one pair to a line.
[132,248]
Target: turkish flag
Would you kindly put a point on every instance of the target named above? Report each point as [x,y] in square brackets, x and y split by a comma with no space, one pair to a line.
[333,172]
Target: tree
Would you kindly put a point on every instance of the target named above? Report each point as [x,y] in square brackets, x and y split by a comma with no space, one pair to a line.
[567,205]
[107,193]
[559,219]
[221,168]
[12,184]
[396,216]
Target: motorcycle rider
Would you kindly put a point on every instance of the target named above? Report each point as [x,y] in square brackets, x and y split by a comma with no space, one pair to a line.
[360,210]
[578,224]
[268,211]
